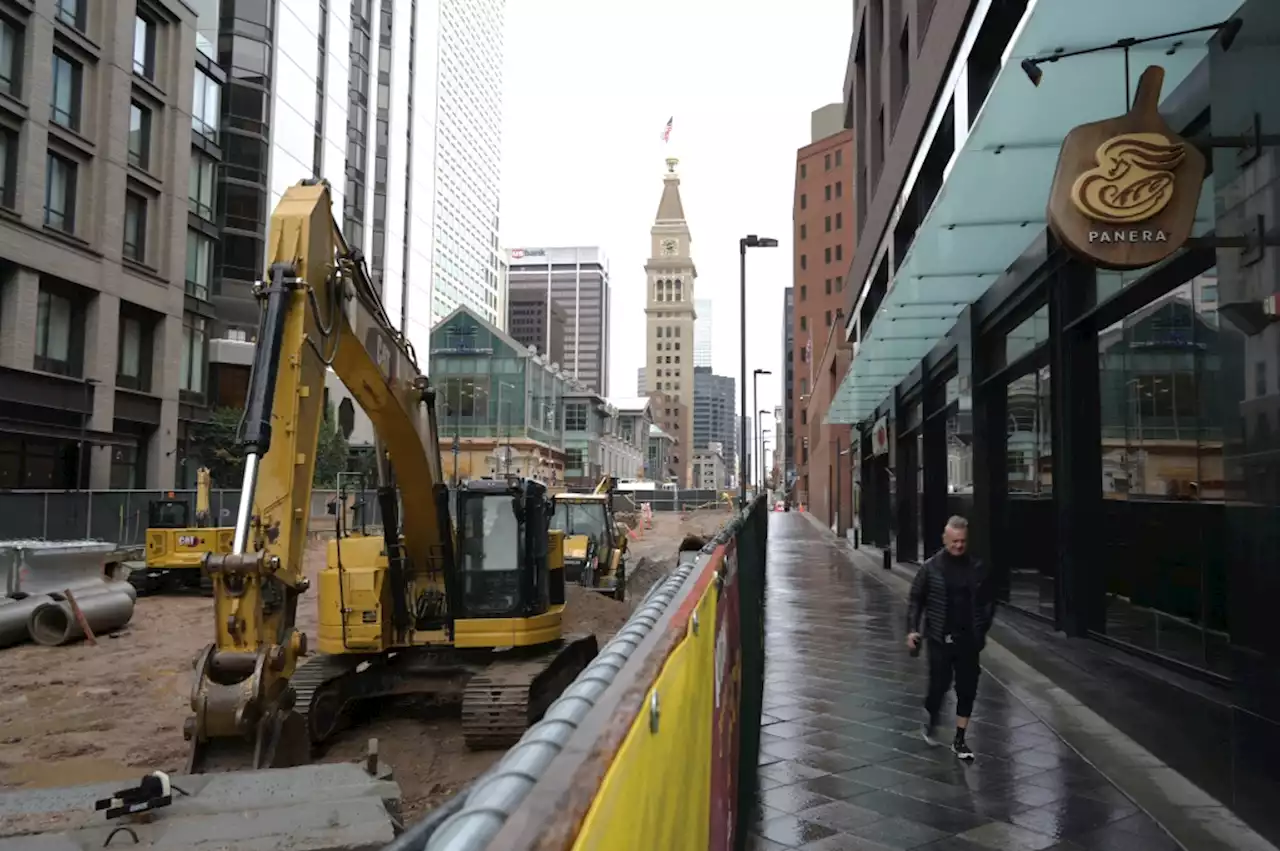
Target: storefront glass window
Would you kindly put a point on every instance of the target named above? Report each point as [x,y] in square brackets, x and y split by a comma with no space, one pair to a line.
[1033,331]
[1029,520]
[1163,486]
[1029,446]
[959,449]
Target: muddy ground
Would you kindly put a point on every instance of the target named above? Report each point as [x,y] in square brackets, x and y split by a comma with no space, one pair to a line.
[82,713]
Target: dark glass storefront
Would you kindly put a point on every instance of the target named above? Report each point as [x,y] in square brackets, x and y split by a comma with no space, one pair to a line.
[1114,438]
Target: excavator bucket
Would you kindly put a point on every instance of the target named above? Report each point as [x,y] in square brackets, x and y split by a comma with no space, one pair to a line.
[281,741]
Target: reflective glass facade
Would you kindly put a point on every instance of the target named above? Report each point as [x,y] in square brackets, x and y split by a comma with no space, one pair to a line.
[468,157]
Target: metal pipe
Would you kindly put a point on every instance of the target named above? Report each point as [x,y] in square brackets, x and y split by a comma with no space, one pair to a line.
[53,622]
[244,511]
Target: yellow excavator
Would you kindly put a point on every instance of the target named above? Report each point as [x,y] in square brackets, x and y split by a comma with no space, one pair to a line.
[595,545]
[176,547]
[466,611]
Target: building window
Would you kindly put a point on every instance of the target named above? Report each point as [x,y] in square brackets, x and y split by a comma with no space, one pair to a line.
[199,264]
[839,221]
[573,459]
[67,80]
[826,254]
[200,191]
[60,194]
[826,163]
[826,191]
[144,47]
[575,416]
[139,135]
[839,159]
[828,318]
[205,103]
[129,354]
[804,261]
[804,323]
[191,378]
[71,13]
[10,58]
[827,284]
[804,201]
[8,167]
[804,292]
[804,231]
[839,188]
[54,318]
[839,253]
[135,227]
[804,171]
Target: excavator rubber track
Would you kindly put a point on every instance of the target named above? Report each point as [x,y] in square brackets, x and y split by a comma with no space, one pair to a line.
[321,684]
[502,701]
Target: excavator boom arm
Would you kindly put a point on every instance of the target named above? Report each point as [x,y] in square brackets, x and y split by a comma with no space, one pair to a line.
[320,310]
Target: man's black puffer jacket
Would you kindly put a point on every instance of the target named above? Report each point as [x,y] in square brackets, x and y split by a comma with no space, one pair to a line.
[928,598]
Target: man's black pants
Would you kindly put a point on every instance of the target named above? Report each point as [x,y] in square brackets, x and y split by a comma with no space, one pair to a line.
[945,661]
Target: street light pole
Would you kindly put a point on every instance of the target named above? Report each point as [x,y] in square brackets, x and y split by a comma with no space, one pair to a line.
[748,241]
[755,400]
[760,430]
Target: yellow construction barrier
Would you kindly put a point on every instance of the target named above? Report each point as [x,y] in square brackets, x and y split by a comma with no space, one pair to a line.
[657,792]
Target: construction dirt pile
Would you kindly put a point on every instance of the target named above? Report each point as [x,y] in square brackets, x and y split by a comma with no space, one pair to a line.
[83,713]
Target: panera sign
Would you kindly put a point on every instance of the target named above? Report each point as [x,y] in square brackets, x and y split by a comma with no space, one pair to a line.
[1126,189]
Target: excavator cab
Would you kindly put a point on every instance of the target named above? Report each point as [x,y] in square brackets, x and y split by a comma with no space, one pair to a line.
[168,514]
[502,549]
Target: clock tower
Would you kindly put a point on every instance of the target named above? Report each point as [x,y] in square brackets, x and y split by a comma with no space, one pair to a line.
[669,317]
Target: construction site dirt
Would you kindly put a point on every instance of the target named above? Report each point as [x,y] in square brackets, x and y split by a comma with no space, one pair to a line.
[82,713]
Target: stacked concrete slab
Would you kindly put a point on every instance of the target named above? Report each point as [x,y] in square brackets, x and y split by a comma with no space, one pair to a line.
[311,808]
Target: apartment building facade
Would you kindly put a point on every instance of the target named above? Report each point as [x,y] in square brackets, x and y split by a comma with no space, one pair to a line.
[101,316]
[823,238]
[576,280]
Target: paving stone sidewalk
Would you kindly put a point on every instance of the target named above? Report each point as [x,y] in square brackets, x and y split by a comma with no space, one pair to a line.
[843,766]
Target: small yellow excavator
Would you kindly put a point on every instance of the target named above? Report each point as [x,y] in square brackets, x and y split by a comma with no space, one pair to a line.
[595,544]
[175,546]
[466,610]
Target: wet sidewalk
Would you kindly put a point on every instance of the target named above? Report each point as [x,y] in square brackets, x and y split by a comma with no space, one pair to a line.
[843,766]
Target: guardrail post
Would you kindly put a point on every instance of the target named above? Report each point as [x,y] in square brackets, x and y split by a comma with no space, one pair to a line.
[44,516]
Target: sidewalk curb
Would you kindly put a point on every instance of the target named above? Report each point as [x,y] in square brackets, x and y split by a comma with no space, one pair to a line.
[1193,819]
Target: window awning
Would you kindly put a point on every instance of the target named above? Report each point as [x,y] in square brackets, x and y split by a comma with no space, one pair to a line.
[992,202]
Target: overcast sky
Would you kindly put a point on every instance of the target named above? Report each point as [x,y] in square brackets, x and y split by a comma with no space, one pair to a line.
[589,87]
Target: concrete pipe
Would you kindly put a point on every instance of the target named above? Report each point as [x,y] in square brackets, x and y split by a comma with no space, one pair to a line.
[53,622]
[99,586]
[14,615]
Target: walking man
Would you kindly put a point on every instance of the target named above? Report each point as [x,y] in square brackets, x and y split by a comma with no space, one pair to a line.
[952,592]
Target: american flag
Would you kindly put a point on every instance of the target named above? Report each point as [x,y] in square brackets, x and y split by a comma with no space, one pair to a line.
[666,131]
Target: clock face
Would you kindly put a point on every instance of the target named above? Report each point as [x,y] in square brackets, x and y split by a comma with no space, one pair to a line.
[670,247]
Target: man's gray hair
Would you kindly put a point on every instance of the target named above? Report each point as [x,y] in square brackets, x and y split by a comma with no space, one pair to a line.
[957,523]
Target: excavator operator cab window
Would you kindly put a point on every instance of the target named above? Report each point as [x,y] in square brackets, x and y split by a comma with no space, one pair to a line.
[587,518]
[502,572]
[169,514]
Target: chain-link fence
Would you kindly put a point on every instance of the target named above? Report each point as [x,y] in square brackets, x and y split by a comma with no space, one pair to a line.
[121,516]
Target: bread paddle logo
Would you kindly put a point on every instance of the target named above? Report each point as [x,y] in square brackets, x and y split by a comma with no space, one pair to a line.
[1126,189]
